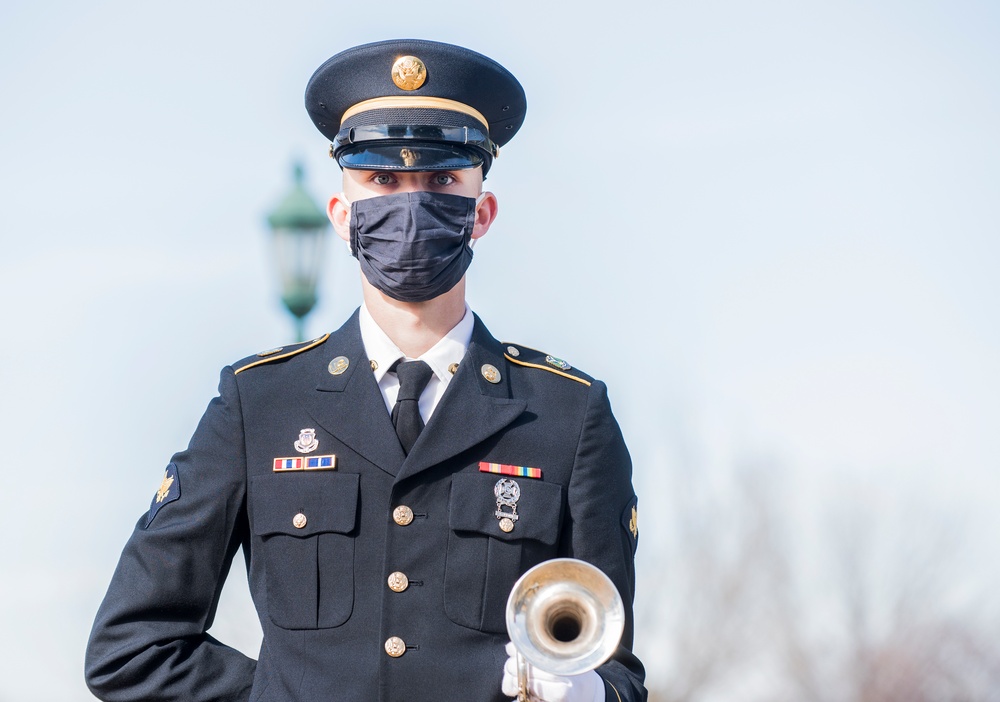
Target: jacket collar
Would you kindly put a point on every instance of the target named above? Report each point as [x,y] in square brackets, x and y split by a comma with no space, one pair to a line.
[349,404]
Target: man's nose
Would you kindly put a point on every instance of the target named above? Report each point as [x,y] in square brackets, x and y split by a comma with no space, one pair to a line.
[409,182]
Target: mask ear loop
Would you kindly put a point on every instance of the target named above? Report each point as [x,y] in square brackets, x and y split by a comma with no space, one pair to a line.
[472,242]
[348,203]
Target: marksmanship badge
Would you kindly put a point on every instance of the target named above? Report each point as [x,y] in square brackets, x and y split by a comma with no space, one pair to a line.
[307,442]
[507,492]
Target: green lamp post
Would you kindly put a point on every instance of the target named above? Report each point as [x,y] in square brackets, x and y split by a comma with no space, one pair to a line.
[298,229]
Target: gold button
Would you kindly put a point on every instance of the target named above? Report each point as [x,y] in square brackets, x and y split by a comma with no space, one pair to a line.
[395,646]
[453,368]
[402,515]
[512,351]
[398,582]
[299,520]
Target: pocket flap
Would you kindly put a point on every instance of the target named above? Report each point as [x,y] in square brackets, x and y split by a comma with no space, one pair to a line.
[304,504]
[539,508]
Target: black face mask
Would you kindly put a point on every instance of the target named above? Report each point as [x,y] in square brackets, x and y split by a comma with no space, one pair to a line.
[413,246]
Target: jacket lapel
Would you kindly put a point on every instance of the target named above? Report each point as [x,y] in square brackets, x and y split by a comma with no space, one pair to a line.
[471,410]
[350,406]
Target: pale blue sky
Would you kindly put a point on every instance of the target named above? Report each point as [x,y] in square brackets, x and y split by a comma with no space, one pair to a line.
[771,227]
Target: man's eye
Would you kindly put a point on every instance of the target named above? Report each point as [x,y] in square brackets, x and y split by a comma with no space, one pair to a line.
[382,179]
[444,179]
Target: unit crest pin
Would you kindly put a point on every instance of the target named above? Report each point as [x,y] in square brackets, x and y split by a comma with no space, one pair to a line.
[307,442]
[558,363]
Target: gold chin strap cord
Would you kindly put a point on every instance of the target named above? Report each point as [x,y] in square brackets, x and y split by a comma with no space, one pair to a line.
[414,102]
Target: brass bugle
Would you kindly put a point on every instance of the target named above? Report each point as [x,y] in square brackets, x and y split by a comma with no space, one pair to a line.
[565,617]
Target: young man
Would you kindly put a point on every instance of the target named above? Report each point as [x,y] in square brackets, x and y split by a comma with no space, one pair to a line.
[390,481]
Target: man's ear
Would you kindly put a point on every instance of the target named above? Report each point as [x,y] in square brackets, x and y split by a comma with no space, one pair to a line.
[338,209]
[486,212]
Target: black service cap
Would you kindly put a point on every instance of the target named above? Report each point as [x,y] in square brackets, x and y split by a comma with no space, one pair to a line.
[414,105]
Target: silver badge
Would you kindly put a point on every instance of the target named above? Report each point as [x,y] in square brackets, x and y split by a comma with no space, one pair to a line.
[307,442]
[507,492]
[491,373]
[338,365]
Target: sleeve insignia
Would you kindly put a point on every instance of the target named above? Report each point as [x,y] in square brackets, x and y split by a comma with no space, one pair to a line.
[169,490]
[630,522]
[164,490]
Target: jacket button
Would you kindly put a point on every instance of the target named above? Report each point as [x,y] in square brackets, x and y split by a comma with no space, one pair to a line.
[398,582]
[299,520]
[402,515]
[395,646]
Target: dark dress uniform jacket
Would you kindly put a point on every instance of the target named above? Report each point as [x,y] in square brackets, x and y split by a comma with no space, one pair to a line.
[321,589]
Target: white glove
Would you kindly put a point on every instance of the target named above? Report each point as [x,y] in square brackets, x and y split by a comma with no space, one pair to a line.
[546,687]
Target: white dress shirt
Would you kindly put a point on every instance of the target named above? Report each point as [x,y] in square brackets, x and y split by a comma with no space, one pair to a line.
[449,350]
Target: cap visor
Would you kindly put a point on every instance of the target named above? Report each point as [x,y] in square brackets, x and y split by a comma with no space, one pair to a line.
[409,157]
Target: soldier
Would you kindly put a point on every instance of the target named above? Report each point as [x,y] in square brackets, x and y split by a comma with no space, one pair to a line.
[390,481]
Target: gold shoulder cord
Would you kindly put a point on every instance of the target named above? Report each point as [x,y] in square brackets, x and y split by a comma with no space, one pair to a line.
[546,368]
[311,344]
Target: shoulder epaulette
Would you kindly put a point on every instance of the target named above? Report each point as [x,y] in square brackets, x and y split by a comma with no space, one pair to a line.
[533,358]
[277,354]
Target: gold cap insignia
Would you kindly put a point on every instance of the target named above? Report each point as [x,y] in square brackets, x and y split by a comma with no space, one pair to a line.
[409,73]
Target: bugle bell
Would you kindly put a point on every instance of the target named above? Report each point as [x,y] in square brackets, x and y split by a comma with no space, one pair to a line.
[565,617]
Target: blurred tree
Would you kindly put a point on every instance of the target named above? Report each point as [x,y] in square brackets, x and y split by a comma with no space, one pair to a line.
[752,605]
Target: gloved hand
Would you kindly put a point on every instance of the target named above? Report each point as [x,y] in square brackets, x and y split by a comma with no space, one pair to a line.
[586,687]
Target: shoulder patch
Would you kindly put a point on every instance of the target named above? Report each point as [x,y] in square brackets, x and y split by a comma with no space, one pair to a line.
[533,358]
[277,354]
[169,490]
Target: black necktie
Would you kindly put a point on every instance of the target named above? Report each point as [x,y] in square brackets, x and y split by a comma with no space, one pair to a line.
[413,378]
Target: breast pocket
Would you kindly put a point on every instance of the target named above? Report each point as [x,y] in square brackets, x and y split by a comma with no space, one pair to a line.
[483,560]
[306,523]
